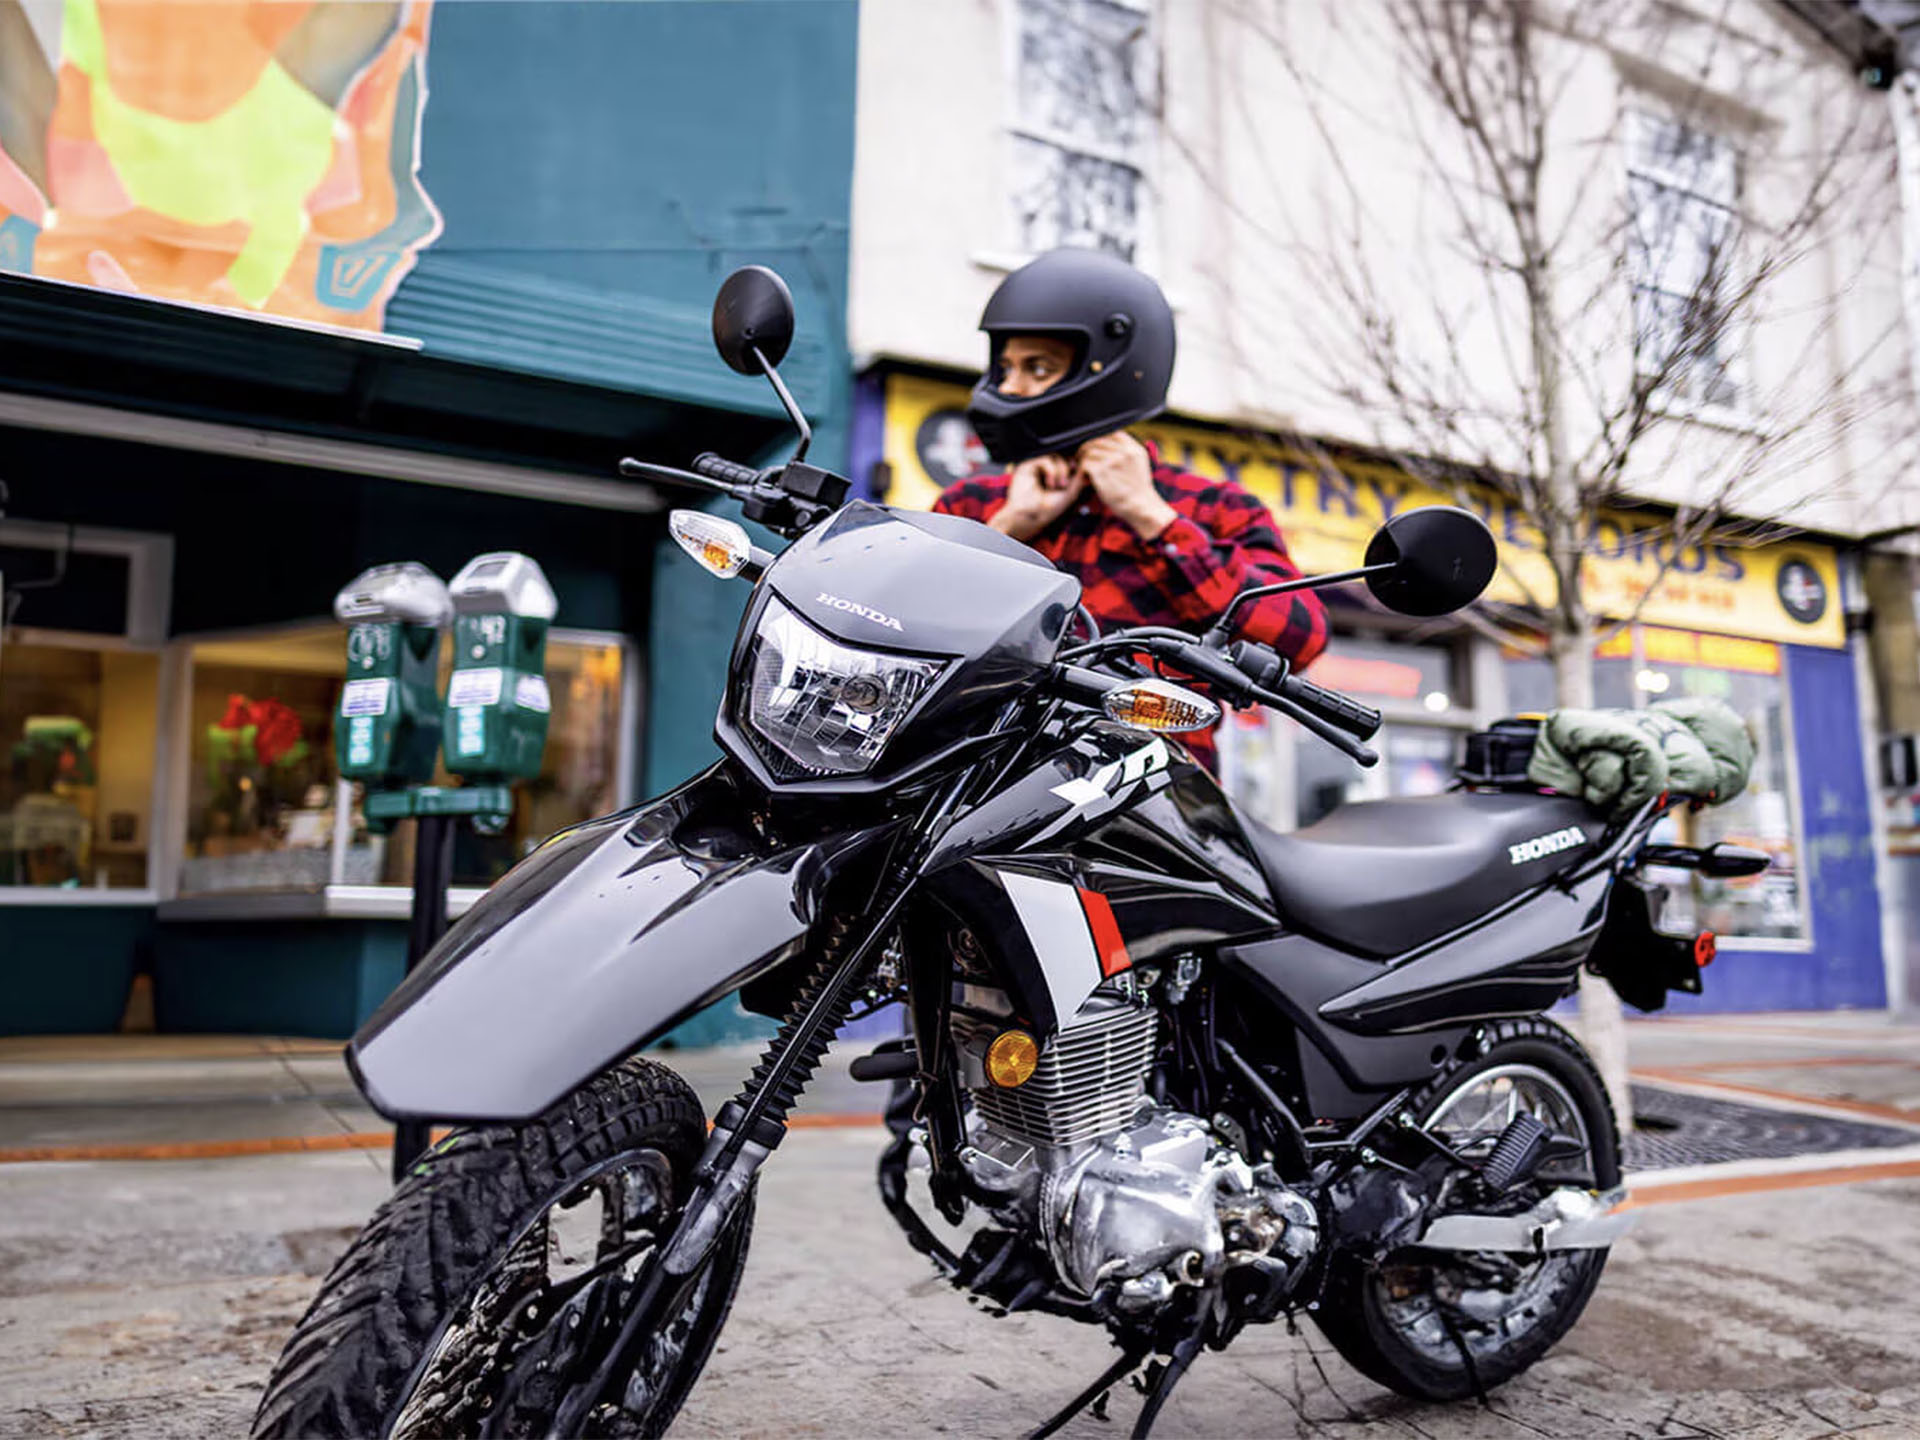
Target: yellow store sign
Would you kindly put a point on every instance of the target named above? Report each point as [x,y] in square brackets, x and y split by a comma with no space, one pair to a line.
[1782,592]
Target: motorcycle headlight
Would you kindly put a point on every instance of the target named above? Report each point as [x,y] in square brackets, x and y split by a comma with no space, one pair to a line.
[823,708]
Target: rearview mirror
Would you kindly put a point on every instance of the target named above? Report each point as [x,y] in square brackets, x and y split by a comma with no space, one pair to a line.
[752,312]
[1442,558]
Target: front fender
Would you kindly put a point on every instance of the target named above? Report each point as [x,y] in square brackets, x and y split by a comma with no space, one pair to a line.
[599,942]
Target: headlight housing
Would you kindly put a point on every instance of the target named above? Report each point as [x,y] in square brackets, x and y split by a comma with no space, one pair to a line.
[815,707]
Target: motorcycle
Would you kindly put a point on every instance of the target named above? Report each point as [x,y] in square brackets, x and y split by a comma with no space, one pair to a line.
[1181,1073]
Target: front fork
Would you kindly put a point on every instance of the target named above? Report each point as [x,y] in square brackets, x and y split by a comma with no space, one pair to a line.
[750,1127]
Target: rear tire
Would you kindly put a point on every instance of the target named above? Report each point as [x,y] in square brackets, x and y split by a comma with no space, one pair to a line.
[1368,1325]
[410,1332]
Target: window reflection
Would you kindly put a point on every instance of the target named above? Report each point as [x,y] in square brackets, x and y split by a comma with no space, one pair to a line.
[260,808]
[76,786]
[263,775]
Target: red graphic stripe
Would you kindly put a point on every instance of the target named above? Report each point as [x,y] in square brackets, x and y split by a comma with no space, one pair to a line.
[1106,933]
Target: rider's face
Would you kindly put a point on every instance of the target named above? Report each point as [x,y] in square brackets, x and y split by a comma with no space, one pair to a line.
[1033,364]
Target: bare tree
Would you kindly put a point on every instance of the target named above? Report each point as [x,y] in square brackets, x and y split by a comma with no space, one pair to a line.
[1550,294]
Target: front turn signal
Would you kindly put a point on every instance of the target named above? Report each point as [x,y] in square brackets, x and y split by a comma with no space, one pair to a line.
[1160,705]
[1012,1058]
[719,546]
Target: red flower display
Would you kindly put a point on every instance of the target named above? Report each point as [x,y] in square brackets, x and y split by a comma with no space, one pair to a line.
[275,727]
[277,731]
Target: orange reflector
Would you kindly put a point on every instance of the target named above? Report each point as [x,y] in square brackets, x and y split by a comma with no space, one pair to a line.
[1704,948]
[1011,1058]
[1160,705]
[719,546]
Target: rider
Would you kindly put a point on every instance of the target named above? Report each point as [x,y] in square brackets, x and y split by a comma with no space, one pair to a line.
[1080,345]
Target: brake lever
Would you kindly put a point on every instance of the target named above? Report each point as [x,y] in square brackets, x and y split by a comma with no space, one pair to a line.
[666,475]
[1332,734]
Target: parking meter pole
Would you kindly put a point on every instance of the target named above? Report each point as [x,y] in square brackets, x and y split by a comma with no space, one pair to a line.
[432,878]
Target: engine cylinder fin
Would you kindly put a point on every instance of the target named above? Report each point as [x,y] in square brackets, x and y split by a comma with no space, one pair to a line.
[1089,1082]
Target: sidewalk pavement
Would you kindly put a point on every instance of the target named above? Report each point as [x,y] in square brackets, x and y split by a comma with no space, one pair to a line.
[1771,1295]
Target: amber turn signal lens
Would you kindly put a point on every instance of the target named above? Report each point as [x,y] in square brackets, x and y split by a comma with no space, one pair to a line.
[718,545]
[1011,1058]
[1161,706]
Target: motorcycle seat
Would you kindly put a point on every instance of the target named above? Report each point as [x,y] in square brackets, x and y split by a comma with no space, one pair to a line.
[1383,876]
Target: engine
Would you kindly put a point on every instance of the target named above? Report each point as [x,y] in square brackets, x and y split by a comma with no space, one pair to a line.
[1129,1199]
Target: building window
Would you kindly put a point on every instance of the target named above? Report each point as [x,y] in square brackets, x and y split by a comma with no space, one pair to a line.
[263,786]
[1083,80]
[1750,676]
[1682,235]
[76,791]
[1289,779]
[1643,664]
[260,807]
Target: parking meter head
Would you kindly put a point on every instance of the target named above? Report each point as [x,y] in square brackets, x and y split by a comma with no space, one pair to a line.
[497,700]
[407,592]
[386,727]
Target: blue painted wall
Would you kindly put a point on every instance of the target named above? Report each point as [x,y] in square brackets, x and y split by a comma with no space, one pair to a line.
[600,168]
[1844,967]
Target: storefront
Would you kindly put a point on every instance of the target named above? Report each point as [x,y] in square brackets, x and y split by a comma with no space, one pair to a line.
[402,289]
[1760,627]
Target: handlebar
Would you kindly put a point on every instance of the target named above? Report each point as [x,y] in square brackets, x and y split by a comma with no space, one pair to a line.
[788,499]
[1238,675]
[1360,721]
[727,472]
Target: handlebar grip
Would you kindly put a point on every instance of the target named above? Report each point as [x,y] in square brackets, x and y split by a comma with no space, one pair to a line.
[1360,721]
[714,467]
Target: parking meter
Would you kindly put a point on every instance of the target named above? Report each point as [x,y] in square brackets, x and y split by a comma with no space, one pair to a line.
[387,727]
[497,699]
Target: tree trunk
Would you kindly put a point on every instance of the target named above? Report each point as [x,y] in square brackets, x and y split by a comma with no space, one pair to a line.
[1600,1014]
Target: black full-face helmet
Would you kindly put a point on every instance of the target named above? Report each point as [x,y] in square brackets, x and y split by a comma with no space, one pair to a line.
[1121,329]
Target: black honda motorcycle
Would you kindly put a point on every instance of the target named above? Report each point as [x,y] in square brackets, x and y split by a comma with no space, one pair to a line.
[1169,1072]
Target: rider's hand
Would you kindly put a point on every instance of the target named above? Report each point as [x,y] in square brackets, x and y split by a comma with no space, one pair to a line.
[1038,493]
[1121,473]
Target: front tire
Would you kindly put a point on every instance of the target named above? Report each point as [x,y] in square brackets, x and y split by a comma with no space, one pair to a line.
[1424,1328]
[475,1293]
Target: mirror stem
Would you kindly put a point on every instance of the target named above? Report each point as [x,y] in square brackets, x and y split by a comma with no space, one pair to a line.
[786,399]
[1224,628]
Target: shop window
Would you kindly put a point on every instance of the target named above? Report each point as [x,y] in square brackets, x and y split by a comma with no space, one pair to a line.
[1643,664]
[76,793]
[1390,674]
[263,778]
[1749,676]
[1531,689]
[579,774]
[1288,779]
[260,809]
[1082,82]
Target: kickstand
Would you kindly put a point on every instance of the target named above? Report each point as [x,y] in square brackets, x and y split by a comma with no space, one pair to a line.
[1129,1358]
[1169,1376]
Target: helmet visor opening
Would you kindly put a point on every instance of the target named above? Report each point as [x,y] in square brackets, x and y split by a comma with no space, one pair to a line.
[1025,364]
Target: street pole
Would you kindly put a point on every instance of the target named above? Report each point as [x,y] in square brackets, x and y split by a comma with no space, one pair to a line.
[432,877]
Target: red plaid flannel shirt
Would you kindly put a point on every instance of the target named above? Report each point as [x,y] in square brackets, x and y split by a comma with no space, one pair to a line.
[1223,542]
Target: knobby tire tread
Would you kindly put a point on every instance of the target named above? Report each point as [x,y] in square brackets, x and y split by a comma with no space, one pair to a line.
[350,1361]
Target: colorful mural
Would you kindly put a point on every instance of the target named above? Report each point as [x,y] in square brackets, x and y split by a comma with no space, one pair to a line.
[257,154]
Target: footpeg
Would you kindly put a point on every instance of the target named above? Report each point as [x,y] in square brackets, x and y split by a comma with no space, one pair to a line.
[1566,1219]
[884,1065]
[1515,1155]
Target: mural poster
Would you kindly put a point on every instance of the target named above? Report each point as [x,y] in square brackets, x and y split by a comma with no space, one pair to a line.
[262,155]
